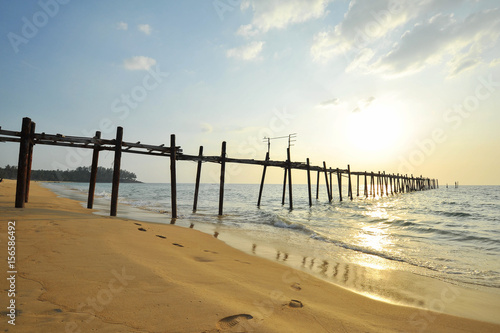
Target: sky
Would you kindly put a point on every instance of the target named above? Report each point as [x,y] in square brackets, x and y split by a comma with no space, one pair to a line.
[409,87]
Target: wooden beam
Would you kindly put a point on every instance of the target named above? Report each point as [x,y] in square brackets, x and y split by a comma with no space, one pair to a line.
[284,186]
[93,172]
[309,182]
[30,161]
[327,186]
[290,198]
[22,164]
[116,171]
[262,180]
[339,181]
[349,183]
[317,186]
[222,177]
[198,177]
[173,177]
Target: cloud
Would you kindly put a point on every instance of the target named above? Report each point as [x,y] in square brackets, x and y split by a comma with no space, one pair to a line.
[247,52]
[495,62]
[330,102]
[139,63]
[278,14]
[122,26]
[206,128]
[246,31]
[369,21]
[465,39]
[145,28]
[364,104]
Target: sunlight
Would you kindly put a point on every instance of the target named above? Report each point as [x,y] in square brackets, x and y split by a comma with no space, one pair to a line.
[377,128]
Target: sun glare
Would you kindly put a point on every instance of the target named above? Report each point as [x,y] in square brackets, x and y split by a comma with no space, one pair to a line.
[377,128]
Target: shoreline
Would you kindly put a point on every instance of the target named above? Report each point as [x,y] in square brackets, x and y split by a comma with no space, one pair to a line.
[80,271]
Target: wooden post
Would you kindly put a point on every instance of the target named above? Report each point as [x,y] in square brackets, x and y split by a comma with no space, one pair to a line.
[262,180]
[366,187]
[30,160]
[339,180]
[327,186]
[373,184]
[309,182]
[331,185]
[22,165]
[357,186]
[317,186]
[284,187]
[116,171]
[349,183]
[222,175]
[289,178]
[173,176]
[198,176]
[93,171]
[386,188]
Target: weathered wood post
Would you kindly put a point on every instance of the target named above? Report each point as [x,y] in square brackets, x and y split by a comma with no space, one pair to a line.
[198,177]
[317,186]
[30,160]
[22,165]
[386,185]
[222,175]
[373,184]
[309,182]
[349,183]
[93,171]
[331,184]
[284,186]
[357,185]
[173,176]
[289,178]
[366,186]
[262,180]
[327,186]
[116,171]
[339,181]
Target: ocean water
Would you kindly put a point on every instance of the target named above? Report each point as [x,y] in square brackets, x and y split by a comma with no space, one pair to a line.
[398,248]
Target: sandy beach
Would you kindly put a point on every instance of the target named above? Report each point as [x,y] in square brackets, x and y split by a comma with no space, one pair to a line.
[79,272]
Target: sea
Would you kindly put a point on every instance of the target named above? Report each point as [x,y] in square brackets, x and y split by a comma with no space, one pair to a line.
[436,249]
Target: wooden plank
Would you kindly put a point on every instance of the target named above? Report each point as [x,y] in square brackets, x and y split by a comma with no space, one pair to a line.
[339,181]
[173,176]
[22,164]
[222,177]
[93,172]
[116,171]
[327,186]
[30,162]
[290,198]
[262,180]
[309,182]
[198,177]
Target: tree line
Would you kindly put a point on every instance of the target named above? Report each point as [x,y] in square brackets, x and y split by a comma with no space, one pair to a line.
[80,175]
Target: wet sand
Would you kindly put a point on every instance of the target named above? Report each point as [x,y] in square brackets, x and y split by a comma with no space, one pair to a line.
[78,272]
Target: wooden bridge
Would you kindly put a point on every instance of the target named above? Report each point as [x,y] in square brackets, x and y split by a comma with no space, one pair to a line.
[375,184]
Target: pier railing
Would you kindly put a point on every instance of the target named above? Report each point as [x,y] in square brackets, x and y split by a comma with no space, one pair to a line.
[375,183]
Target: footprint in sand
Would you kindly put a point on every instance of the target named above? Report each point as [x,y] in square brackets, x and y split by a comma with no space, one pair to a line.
[161,236]
[232,322]
[296,286]
[179,245]
[137,224]
[295,304]
[141,229]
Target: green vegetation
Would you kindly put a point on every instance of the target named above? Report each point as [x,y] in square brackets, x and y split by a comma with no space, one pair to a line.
[80,175]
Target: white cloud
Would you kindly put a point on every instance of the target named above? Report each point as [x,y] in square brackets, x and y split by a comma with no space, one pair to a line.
[122,26]
[495,62]
[247,52]
[246,31]
[139,63]
[466,39]
[145,28]
[206,128]
[330,102]
[278,14]
[364,104]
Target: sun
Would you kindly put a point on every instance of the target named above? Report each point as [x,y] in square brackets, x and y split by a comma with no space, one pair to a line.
[377,128]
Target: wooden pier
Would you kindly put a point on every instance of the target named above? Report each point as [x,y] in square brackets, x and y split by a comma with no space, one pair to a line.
[376,184]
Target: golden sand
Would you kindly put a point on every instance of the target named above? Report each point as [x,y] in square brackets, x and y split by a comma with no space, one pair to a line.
[79,272]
